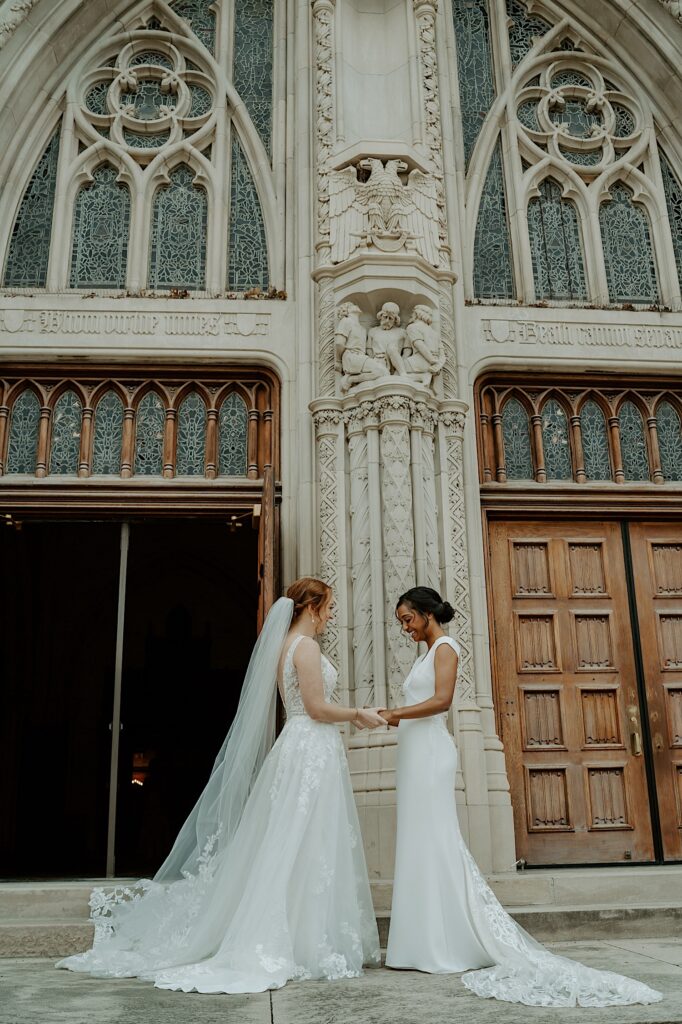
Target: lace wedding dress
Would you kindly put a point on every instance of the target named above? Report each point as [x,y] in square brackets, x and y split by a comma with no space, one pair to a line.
[444,917]
[287,897]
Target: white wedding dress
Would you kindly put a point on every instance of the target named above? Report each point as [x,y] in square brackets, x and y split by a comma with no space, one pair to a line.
[444,916]
[287,897]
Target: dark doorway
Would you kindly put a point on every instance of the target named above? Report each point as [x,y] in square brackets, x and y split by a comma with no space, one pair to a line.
[191,604]
[190,623]
[57,646]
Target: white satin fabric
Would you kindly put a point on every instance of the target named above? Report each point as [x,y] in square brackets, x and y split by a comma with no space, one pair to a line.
[288,897]
[444,916]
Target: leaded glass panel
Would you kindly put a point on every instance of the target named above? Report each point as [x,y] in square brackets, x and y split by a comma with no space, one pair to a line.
[633,447]
[555,245]
[65,446]
[178,237]
[100,232]
[233,428]
[23,434]
[29,247]
[523,30]
[673,201]
[570,77]
[247,256]
[625,122]
[583,157]
[199,17]
[517,455]
[139,141]
[527,114]
[148,99]
[595,442]
[474,67]
[96,99]
[628,254]
[201,102]
[492,251]
[576,119]
[253,29]
[108,435]
[555,443]
[151,57]
[669,441]
[191,448]
[149,429]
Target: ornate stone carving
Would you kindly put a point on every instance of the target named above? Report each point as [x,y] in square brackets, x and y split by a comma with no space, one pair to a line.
[350,341]
[425,12]
[13,17]
[325,130]
[329,441]
[361,569]
[383,212]
[674,6]
[413,353]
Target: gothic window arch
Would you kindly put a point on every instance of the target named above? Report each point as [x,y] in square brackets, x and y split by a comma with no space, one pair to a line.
[233,435]
[101,225]
[555,244]
[108,434]
[65,444]
[518,460]
[22,447]
[149,434]
[595,442]
[556,446]
[191,444]
[633,446]
[669,429]
[159,95]
[531,92]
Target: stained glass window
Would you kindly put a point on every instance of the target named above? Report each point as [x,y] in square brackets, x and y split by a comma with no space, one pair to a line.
[139,141]
[202,101]
[517,455]
[626,242]
[247,257]
[66,434]
[555,245]
[555,443]
[253,27]
[669,441]
[199,17]
[523,30]
[582,157]
[100,232]
[151,57]
[570,77]
[625,122]
[96,98]
[191,437]
[148,99]
[233,423]
[577,120]
[149,429]
[108,434]
[633,443]
[23,434]
[178,237]
[527,114]
[29,247]
[673,200]
[492,251]
[595,442]
[474,67]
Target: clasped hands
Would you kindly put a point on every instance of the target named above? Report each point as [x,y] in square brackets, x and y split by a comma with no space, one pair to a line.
[372,718]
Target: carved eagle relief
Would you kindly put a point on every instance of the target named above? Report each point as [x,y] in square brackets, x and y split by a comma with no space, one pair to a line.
[383,211]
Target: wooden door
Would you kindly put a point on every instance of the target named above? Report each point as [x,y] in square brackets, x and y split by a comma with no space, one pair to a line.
[657,565]
[567,693]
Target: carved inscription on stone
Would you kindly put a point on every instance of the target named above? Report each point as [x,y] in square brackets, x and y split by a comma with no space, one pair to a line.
[126,323]
[567,333]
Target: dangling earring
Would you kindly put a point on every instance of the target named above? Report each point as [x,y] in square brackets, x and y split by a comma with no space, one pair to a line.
[312,619]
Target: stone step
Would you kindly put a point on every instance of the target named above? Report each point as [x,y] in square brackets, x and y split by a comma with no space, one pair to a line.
[44,938]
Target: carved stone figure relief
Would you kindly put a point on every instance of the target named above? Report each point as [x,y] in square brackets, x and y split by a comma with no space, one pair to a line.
[388,349]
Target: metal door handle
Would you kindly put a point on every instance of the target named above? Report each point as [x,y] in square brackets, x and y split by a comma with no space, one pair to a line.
[635,730]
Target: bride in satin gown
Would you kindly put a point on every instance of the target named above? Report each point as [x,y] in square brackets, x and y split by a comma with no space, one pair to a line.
[267,879]
[444,916]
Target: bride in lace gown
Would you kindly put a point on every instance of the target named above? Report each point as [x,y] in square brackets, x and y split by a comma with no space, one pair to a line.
[267,880]
[444,917]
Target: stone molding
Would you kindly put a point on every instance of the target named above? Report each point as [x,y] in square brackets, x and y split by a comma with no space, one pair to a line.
[12,16]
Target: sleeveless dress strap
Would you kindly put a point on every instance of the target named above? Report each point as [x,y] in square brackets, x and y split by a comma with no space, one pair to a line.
[445,639]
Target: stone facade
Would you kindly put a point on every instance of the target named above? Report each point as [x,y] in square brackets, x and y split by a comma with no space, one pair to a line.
[370,199]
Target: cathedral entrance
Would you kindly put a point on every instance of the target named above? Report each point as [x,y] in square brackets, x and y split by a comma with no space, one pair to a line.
[122,652]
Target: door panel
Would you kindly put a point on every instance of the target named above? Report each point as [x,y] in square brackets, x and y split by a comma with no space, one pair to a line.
[568,694]
[657,564]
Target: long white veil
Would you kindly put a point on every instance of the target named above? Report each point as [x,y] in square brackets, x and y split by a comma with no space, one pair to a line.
[158,921]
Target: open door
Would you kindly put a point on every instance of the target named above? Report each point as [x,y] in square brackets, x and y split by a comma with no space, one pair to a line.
[267,548]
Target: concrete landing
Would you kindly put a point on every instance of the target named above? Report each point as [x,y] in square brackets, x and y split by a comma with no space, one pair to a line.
[32,991]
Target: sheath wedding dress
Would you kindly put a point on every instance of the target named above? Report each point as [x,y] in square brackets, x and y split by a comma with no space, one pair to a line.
[444,917]
[285,895]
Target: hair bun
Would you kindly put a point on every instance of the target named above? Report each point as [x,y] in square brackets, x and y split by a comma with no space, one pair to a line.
[446,612]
